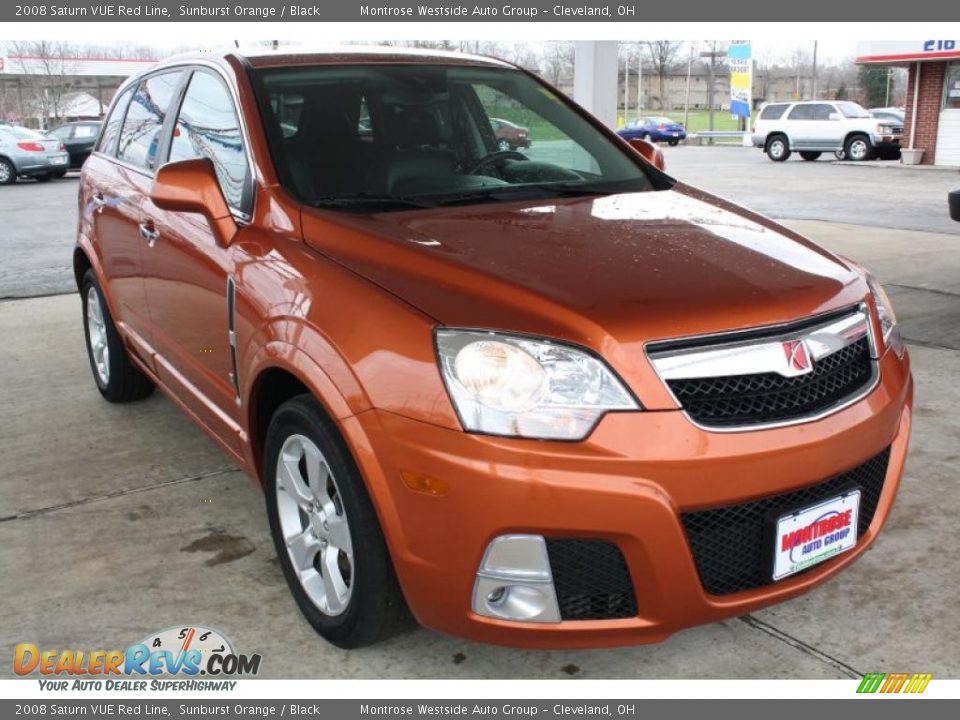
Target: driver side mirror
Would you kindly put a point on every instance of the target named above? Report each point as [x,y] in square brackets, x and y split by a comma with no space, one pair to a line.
[954,201]
[650,152]
[192,186]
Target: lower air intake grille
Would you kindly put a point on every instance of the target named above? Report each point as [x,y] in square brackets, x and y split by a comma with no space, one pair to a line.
[728,543]
[591,579]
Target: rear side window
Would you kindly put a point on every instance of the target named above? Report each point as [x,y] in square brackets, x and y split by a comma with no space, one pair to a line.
[140,137]
[111,129]
[207,126]
[822,111]
[772,112]
[801,112]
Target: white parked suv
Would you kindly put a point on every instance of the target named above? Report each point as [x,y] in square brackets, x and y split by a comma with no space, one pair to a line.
[815,127]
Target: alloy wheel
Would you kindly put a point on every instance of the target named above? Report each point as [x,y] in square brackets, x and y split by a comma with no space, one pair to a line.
[314,525]
[858,149]
[4,172]
[97,332]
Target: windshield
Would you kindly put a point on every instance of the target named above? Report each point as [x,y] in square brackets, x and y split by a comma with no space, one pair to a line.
[389,137]
[852,110]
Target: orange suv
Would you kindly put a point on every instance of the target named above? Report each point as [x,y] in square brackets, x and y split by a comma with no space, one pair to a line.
[550,398]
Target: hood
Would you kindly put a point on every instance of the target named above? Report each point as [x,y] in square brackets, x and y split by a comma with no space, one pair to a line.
[624,268]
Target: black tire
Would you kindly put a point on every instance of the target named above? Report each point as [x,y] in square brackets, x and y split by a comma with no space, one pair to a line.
[858,148]
[125,382]
[46,177]
[810,155]
[8,173]
[674,142]
[839,155]
[375,609]
[777,148]
[60,174]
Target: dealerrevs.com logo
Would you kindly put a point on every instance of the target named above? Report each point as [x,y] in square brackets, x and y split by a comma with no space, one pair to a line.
[185,651]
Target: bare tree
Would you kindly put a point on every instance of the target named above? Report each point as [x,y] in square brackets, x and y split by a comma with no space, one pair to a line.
[49,68]
[663,56]
[557,61]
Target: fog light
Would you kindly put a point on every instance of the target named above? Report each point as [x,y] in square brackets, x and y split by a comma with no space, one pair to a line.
[514,581]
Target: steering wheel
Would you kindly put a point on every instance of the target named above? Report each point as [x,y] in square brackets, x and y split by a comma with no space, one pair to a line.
[493,157]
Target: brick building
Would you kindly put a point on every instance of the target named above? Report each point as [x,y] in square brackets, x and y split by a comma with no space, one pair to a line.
[933,93]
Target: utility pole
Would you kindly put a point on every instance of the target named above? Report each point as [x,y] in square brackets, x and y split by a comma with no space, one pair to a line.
[640,83]
[886,100]
[813,90]
[626,85]
[686,101]
[713,55]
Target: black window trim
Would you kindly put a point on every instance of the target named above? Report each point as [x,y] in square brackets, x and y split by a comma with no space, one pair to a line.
[130,85]
[247,194]
[188,67]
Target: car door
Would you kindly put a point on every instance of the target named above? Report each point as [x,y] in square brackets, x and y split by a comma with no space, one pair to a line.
[187,274]
[801,127]
[827,126]
[110,201]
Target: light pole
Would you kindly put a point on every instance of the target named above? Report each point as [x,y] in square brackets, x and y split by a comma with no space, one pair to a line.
[713,55]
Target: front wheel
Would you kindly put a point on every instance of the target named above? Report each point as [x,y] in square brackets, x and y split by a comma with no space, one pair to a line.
[777,149]
[809,155]
[858,148]
[325,530]
[117,378]
[674,142]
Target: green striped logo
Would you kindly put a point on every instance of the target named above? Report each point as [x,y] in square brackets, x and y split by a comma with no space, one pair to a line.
[871,682]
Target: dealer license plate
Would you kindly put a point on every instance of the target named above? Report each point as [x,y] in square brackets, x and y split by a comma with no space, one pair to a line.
[809,536]
[676,134]
[58,160]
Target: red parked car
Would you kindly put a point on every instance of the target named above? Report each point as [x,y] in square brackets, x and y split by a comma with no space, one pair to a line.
[510,136]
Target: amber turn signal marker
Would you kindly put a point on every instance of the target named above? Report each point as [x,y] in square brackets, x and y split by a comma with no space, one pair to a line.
[424,483]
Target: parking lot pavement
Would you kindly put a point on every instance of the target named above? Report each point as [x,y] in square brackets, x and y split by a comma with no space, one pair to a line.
[38,221]
[116,521]
[903,198]
[38,226]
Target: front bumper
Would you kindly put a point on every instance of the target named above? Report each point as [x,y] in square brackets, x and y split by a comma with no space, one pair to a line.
[886,141]
[627,485]
[42,163]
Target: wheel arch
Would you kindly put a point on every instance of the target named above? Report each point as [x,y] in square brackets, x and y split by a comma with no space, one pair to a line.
[280,372]
[854,133]
[778,133]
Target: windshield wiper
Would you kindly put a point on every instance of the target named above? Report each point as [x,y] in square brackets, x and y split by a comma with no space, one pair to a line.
[535,191]
[367,201]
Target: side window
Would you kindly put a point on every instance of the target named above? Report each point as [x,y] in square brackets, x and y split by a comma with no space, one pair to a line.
[140,137]
[208,127]
[822,111]
[772,112]
[111,129]
[61,133]
[801,112]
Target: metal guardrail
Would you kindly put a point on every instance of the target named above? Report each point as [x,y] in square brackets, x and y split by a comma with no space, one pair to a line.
[716,134]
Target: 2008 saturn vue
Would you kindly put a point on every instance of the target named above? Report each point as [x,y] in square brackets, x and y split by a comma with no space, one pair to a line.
[542,397]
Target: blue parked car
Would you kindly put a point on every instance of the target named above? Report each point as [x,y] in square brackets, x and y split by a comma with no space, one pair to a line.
[655,129]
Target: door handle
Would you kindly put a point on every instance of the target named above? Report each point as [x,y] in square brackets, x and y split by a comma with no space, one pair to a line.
[149,233]
[99,202]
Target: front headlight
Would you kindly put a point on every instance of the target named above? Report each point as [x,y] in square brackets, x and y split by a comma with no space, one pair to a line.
[510,385]
[886,316]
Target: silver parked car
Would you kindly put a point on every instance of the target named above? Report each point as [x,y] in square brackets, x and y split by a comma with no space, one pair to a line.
[28,153]
[814,127]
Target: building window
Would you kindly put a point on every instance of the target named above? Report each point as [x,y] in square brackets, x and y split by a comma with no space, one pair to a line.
[951,88]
